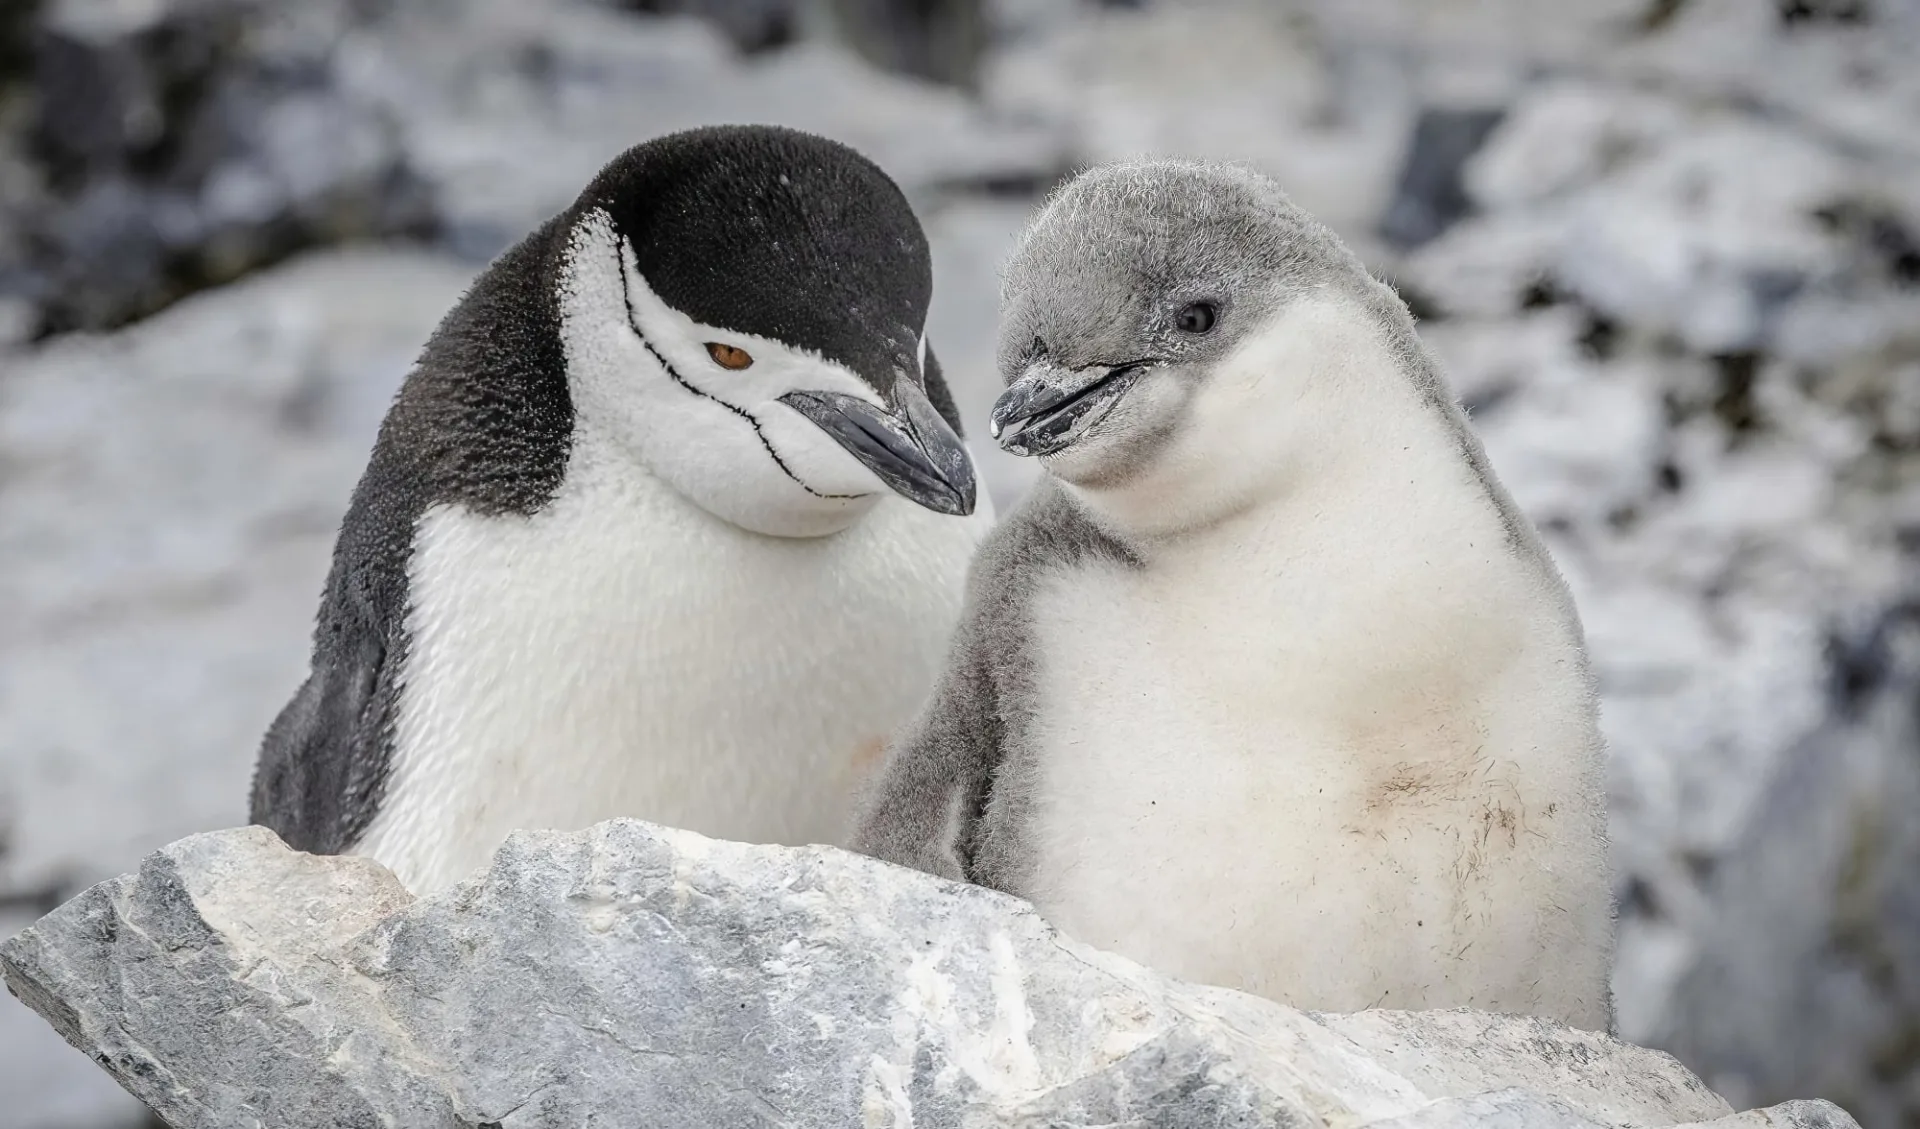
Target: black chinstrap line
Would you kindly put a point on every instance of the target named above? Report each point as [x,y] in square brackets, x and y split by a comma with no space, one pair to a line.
[626,296]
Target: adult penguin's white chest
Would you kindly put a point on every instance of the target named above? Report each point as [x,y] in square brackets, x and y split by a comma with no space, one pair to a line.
[624,653]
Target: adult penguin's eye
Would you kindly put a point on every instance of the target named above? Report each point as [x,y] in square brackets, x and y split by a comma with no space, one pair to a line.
[1197,318]
[726,356]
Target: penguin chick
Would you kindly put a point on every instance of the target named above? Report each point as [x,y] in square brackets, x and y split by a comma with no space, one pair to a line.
[1268,684]
[669,521]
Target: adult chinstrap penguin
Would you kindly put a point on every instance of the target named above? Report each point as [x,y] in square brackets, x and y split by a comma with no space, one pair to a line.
[670,521]
[1268,683]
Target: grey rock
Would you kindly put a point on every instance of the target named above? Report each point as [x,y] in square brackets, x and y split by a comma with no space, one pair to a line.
[751,25]
[181,144]
[1786,1115]
[937,40]
[1502,1109]
[1835,837]
[48,1085]
[1428,195]
[644,975]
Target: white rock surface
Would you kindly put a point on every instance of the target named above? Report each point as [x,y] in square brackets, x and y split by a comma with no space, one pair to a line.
[642,975]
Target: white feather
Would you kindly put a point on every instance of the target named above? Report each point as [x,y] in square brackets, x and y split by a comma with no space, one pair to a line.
[1335,743]
[703,429]
[642,646]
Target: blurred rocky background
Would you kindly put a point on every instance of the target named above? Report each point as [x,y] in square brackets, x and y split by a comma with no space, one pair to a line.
[1669,250]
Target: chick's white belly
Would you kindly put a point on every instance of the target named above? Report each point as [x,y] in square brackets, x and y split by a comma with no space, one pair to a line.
[567,668]
[1208,803]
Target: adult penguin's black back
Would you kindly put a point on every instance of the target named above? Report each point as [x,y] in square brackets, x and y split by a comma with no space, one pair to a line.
[670,520]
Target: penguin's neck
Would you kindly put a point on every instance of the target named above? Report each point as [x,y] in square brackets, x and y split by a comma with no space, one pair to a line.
[1405,542]
[1327,500]
[1318,431]
[1403,502]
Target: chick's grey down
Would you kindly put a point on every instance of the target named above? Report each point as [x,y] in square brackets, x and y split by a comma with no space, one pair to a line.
[670,521]
[1268,684]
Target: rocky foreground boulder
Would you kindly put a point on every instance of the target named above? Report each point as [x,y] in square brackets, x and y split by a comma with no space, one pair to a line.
[638,975]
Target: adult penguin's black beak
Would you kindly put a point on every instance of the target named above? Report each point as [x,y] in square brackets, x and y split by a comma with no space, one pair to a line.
[906,443]
[1049,408]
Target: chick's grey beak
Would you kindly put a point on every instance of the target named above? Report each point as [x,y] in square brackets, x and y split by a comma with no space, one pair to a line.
[910,447]
[1049,408]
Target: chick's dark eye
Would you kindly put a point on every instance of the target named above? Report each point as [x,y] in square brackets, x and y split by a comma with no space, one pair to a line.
[1197,318]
